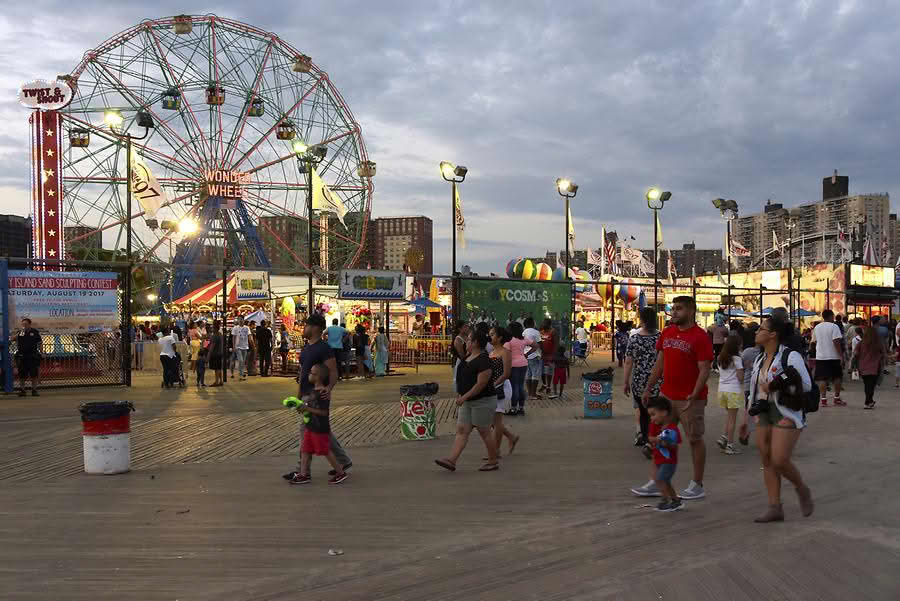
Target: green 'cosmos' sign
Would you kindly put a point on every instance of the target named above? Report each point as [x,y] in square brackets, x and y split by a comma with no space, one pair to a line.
[495,300]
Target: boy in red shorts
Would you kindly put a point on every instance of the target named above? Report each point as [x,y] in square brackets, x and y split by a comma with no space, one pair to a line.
[560,371]
[316,431]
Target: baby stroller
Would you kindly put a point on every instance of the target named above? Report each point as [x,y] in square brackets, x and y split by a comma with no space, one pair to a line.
[175,374]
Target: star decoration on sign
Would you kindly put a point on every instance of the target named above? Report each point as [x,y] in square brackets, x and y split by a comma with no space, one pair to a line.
[49,172]
[51,252]
[50,193]
[51,212]
[49,152]
[49,132]
[51,233]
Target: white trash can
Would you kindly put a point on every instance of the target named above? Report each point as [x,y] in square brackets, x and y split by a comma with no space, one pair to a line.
[106,436]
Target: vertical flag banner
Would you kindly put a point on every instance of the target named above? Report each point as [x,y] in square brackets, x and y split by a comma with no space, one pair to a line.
[326,200]
[460,220]
[774,240]
[673,273]
[571,231]
[46,185]
[602,250]
[145,188]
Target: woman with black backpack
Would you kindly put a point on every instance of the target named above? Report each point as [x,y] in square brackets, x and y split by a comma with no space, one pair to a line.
[778,391]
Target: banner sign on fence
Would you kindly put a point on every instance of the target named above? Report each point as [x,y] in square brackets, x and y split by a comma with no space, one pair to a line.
[65,301]
[498,299]
[367,284]
[252,285]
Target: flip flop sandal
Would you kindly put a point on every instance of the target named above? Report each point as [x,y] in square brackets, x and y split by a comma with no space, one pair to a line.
[489,467]
[446,464]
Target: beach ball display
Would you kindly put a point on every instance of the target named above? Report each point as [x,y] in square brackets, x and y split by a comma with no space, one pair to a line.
[559,274]
[605,290]
[528,270]
[628,291]
[511,268]
[581,278]
[543,272]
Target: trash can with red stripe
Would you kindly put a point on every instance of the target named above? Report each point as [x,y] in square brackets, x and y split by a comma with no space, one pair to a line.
[106,434]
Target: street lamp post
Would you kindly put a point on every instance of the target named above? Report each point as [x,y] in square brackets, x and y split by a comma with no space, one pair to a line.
[656,200]
[114,120]
[310,157]
[568,189]
[729,210]
[455,174]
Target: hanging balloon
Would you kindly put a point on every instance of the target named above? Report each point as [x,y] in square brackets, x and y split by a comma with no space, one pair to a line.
[528,270]
[543,272]
[511,268]
[604,290]
[628,291]
[559,274]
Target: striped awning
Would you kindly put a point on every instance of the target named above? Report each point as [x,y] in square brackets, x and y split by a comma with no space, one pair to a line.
[210,294]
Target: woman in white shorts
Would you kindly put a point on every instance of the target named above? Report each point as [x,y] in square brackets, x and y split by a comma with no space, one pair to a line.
[501,368]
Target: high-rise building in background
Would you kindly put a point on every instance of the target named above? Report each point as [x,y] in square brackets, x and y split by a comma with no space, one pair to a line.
[688,259]
[394,236]
[283,237]
[860,212]
[15,236]
[88,238]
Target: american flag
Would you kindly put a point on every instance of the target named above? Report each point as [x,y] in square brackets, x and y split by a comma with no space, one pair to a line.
[612,266]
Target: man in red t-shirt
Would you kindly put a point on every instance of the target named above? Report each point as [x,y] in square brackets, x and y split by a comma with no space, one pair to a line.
[683,360]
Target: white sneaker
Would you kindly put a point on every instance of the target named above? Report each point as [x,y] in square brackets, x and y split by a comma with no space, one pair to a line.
[647,490]
[730,449]
[722,441]
[692,492]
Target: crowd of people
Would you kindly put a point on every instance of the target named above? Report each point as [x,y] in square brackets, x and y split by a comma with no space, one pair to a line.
[666,375]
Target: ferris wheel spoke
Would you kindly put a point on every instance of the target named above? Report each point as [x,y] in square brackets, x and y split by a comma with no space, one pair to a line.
[239,126]
[215,77]
[141,103]
[287,247]
[149,153]
[174,81]
[271,129]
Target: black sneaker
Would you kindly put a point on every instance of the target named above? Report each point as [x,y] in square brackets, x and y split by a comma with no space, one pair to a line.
[298,479]
[673,505]
[289,475]
[346,467]
[338,478]
[639,439]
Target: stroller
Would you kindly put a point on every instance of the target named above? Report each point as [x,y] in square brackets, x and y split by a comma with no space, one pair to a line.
[175,374]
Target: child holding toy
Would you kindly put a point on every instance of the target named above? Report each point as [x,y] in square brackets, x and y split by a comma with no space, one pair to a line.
[317,430]
[664,437]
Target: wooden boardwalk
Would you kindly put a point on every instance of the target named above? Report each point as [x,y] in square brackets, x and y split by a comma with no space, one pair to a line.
[555,523]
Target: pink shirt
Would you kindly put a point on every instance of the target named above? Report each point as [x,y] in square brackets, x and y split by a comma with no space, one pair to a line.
[516,348]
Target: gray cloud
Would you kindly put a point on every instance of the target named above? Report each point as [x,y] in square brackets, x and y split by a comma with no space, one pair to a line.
[749,100]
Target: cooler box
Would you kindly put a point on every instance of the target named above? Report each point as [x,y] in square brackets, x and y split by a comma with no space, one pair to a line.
[597,398]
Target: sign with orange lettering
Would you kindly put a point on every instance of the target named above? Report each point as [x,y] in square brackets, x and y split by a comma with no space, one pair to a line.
[227,184]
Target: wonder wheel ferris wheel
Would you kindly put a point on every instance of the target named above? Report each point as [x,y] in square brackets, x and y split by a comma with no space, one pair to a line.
[236,115]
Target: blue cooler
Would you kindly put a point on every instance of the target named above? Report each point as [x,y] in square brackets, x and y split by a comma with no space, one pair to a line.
[597,398]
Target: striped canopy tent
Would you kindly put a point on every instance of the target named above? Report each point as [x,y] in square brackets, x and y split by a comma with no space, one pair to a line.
[210,294]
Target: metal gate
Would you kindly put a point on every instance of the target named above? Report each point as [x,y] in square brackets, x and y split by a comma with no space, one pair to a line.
[67,359]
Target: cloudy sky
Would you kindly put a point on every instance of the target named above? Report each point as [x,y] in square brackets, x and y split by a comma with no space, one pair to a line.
[745,100]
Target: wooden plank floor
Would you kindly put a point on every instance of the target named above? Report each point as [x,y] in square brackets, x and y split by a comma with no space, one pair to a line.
[53,448]
[555,523]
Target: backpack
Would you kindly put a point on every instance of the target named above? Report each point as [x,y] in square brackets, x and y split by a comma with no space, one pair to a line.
[810,398]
